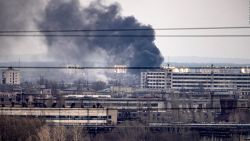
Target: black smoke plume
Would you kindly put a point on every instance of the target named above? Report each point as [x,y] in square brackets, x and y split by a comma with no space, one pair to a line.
[130,51]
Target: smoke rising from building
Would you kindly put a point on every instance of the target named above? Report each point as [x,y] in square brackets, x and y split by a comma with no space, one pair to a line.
[108,50]
[85,51]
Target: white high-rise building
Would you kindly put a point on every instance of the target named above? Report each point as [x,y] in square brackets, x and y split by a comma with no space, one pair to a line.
[217,79]
[11,76]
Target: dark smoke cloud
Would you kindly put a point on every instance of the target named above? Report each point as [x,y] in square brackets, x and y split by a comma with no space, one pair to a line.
[17,15]
[69,14]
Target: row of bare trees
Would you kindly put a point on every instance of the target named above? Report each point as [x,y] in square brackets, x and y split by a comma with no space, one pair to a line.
[32,129]
[18,129]
[127,131]
[62,133]
[136,131]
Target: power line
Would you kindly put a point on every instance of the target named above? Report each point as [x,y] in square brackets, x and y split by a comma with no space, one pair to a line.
[141,109]
[73,67]
[126,36]
[125,29]
[109,67]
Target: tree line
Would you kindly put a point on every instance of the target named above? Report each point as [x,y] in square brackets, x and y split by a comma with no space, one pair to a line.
[34,129]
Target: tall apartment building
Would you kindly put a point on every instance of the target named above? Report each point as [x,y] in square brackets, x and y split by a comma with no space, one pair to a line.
[218,79]
[11,76]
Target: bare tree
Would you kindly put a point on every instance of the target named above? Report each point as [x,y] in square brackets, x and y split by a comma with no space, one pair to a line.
[78,133]
[127,131]
[18,128]
[44,133]
[58,133]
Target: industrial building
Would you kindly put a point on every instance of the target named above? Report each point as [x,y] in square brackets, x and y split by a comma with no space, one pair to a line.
[214,79]
[117,103]
[11,76]
[67,116]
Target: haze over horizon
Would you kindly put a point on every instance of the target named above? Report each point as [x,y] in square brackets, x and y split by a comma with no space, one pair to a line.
[160,14]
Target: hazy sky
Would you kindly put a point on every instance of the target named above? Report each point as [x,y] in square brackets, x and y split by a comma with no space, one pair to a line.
[160,14]
[195,13]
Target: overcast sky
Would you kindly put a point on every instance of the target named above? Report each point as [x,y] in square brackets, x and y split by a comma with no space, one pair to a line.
[162,14]
[194,13]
